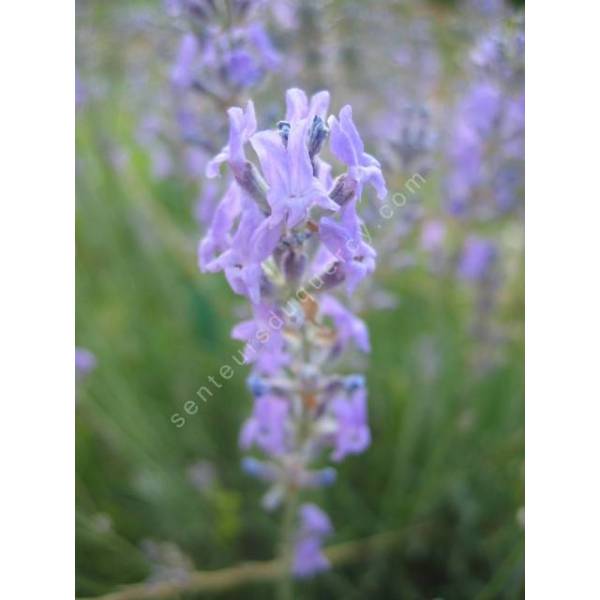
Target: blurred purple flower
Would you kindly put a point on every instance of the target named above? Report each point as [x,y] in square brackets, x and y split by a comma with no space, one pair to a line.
[182,74]
[265,344]
[258,37]
[314,527]
[348,327]
[242,68]
[267,426]
[353,435]
[85,361]
[477,258]
[433,235]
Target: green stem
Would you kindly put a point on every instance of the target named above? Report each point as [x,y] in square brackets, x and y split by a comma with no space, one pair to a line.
[287,542]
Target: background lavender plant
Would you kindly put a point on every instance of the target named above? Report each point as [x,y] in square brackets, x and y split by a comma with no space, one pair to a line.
[436,89]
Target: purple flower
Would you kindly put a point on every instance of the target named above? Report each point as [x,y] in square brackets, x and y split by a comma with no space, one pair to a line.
[353,435]
[479,113]
[347,146]
[482,107]
[218,236]
[433,235]
[207,202]
[85,361]
[265,344]
[242,68]
[513,128]
[181,74]
[308,556]
[485,147]
[298,107]
[477,258]
[466,156]
[242,262]
[314,521]
[315,479]
[344,240]
[258,37]
[348,327]
[262,234]
[261,470]
[267,426]
[293,189]
[242,125]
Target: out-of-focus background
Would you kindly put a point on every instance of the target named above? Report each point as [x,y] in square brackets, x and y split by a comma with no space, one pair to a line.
[437,93]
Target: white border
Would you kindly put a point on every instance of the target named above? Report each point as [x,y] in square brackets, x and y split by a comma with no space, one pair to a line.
[37,299]
[563,301]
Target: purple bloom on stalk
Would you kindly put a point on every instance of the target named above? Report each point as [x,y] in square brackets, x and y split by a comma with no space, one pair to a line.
[353,434]
[265,344]
[347,146]
[348,327]
[218,236]
[477,259]
[258,37]
[344,240]
[314,521]
[482,107]
[242,262]
[298,106]
[433,235]
[299,408]
[242,125]
[513,128]
[308,556]
[267,426]
[243,69]
[181,73]
[293,189]
[259,469]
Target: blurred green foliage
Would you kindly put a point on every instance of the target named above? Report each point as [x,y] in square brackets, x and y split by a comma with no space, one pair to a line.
[446,461]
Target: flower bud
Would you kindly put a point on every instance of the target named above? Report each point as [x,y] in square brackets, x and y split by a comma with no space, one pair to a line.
[259,469]
[251,181]
[257,385]
[293,265]
[316,136]
[322,478]
[354,382]
[333,276]
[284,131]
[344,189]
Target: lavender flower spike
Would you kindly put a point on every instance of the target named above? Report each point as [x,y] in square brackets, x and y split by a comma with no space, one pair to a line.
[303,239]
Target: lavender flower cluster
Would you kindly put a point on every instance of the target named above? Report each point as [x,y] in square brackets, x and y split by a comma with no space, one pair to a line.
[225,50]
[486,160]
[486,149]
[287,235]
